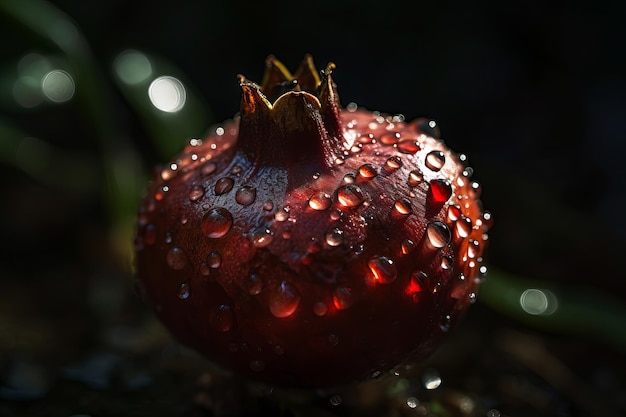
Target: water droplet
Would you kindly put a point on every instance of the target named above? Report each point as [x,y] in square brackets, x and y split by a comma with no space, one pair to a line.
[349,178]
[412,402]
[367,171]
[435,160]
[284,300]
[282,215]
[169,172]
[208,168]
[446,262]
[429,127]
[464,227]
[278,349]
[222,318]
[487,219]
[263,239]
[335,214]
[224,185]
[257,365]
[254,285]
[431,379]
[335,400]
[409,146]
[214,260]
[446,323]
[350,195]
[383,269]
[454,213]
[407,246]
[217,222]
[176,258]
[472,297]
[334,236]
[473,249]
[439,191]
[390,138]
[320,308]
[393,163]
[320,201]
[245,195]
[333,339]
[415,177]
[183,291]
[204,269]
[168,237]
[268,205]
[403,206]
[415,287]
[342,298]
[438,234]
[196,193]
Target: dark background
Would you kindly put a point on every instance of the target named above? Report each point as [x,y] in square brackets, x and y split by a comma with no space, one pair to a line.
[535,95]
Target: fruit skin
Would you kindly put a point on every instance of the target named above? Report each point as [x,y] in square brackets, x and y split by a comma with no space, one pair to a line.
[309,245]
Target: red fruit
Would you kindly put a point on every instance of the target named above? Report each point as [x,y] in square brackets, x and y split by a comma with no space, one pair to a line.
[306,244]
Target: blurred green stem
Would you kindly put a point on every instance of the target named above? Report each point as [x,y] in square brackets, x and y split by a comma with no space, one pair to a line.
[121,164]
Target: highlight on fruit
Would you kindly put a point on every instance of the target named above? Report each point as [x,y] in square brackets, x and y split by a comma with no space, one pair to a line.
[307,244]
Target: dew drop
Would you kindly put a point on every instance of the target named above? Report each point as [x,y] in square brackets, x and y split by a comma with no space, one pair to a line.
[349,178]
[334,236]
[367,171]
[393,163]
[214,260]
[429,127]
[390,138]
[415,287]
[407,246]
[222,318]
[224,185]
[335,400]
[383,269]
[464,226]
[263,239]
[196,193]
[435,160]
[208,168]
[278,350]
[342,298]
[320,201]
[431,379]
[284,300]
[176,258]
[217,222]
[350,195]
[438,234]
[409,146]
[268,205]
[473,249]
[439,191]
[446,324]
[183,291]
[454,213]
[204,269]
[415,177]
[335,214]
[403,206]
[282,215]
[257,365]
[320,308]
[446,262]
[333,339]
[254,285]
[245,195]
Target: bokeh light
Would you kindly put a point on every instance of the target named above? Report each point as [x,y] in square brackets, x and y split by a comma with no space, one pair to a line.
[167,94]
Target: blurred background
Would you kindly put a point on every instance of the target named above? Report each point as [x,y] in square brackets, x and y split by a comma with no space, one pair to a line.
[94,94]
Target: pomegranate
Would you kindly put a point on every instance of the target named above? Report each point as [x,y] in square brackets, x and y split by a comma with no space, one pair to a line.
[306,244]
